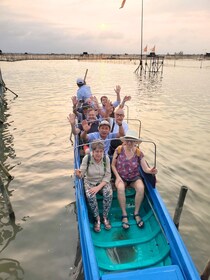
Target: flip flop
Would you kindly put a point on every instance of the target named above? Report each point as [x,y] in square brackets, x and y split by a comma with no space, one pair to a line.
[125,225]
[139,223]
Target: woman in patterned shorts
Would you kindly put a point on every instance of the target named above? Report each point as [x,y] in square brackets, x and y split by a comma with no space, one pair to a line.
[95,169]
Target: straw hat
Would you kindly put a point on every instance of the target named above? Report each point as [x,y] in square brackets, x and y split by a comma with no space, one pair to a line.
[131,135]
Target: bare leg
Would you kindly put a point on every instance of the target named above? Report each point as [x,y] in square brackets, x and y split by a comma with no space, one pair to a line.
[121,197]
[139,187]
[122,201]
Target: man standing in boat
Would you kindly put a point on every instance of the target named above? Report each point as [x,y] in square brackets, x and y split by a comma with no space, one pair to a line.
[84,91]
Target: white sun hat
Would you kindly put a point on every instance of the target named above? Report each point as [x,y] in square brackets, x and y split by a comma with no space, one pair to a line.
[131,135]
[104,122]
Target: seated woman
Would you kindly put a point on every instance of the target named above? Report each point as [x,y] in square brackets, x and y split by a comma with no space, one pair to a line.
[125,166]
[95,169]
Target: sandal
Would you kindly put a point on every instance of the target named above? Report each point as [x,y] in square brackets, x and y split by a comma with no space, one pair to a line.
[106,223]
[97,226]
[140,222]
[125,225]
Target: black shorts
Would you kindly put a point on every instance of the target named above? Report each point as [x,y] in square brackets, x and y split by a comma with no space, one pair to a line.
[128,182]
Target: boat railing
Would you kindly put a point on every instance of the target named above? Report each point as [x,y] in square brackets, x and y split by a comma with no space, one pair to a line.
[155,149]
[135,120]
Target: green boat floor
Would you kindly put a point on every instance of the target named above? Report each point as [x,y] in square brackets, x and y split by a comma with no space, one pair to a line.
[134,248]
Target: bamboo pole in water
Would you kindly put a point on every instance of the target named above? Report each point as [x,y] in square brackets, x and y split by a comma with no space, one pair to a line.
[179,206]
[7,200]
[6,172]
[206,273]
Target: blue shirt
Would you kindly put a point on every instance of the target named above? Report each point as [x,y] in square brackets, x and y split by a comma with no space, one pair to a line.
[84,92]
[96,136]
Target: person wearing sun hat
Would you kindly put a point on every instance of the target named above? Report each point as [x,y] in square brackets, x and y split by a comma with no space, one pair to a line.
[125,166]
[102,134]
[132,136]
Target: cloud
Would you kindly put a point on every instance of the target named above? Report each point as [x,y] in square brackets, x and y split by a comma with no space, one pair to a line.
[97,26]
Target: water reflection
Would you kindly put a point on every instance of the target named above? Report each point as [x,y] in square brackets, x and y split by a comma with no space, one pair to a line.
[10,269]
[8,227]
[6,138]
[77,272]
[149,84]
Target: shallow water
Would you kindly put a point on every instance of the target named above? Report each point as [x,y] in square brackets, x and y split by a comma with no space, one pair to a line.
[175,113]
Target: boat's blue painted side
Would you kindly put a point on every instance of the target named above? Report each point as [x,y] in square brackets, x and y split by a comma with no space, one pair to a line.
[171,272]
[179,253]
[88,255]
[182,266]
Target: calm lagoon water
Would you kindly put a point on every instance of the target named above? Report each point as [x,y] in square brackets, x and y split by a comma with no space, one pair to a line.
[175,113]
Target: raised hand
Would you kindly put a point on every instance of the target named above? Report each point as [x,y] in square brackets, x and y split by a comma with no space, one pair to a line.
[85,125]
[117,89]
[71,118]
[74,100]
[126,98]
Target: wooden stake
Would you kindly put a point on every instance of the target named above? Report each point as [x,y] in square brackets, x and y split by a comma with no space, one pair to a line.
[7,200]
[6,171]
[85,75]
[206,273]
[179,206]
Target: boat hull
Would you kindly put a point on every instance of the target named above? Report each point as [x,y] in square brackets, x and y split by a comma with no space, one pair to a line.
[153,252]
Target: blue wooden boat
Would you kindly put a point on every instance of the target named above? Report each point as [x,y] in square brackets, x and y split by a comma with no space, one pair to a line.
[155,252]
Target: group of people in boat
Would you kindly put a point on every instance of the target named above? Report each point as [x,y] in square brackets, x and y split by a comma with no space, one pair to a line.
[111,154]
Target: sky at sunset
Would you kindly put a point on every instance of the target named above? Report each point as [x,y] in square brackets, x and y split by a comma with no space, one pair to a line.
[96,26]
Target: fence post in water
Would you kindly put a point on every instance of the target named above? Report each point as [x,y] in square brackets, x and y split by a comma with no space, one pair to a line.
[179,205]
[206,273]
[6,172]
[7,200]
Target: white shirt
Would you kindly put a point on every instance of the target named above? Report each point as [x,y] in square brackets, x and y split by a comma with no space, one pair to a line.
[116,126]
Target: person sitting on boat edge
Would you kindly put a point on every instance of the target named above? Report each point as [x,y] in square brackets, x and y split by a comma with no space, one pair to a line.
[97,175]
[125,166]
[83,91]
[102,134]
